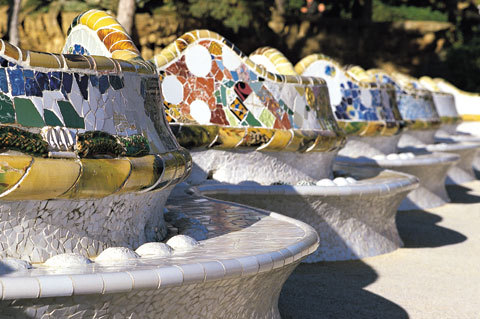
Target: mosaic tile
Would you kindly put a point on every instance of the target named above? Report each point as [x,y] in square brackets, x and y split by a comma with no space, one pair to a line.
[116,82]
[70,116]
[31,87]
[51,119]
[94,80]
[237,91]
[355,96]
[3,81]
[16,81]
[42,80]
[55,80]
[48,109]
[82,82]
[27,113]
[7,112]
[414,103]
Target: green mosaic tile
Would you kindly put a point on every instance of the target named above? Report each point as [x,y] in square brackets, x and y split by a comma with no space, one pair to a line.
[256,87]
[27,114]
[251,120]
[285,107]
[217,97]
[51,118]
[223,93]
[70,116]
[267,118]
[232,120]
[229,83]
[7,112]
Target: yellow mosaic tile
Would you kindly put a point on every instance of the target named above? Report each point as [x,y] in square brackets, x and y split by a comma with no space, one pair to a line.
[38,185]
[100,178]
[142,174]
[12,169]
[169,169]
[10,50]
[229,137]
[44,60]
[279,141]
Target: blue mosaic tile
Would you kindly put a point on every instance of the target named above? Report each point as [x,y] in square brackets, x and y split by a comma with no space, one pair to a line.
[220,64]
[32,88]
[3,62]
[82,82]
[78,49]
[329,70]
[42,81]
[94,80]
[17,81]
[103,84]
[55,80]
[67,81]
[3,81]
[116,82]
[28,73]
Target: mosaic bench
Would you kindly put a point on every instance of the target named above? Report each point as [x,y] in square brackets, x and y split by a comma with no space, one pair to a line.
[237,272]
[466,103]
[358,97]
[80,154]
[211,89]
[424,140]
[95,126]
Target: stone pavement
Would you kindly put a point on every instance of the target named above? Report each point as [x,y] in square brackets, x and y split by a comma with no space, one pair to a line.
[436,275]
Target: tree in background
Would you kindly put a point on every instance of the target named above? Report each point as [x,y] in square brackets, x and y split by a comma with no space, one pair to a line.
[126,14]
[13,25]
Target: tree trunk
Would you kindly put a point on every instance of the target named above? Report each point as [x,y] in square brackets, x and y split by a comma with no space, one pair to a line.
[13,27]
[126,13]
[280,7]
[451,6]
[362,10]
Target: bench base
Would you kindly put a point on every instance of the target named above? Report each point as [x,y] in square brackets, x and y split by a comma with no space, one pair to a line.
[237,272]
[431,170]
[353,222]
[462,171]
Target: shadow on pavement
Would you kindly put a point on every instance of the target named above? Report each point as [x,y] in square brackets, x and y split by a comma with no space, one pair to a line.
[418,229]
[460,194]
[334,290]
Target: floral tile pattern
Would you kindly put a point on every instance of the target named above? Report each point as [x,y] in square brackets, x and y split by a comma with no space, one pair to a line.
[414,103]
[206,80]
[354,99]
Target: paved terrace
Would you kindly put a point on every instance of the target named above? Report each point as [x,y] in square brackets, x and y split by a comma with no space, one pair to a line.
[436,275]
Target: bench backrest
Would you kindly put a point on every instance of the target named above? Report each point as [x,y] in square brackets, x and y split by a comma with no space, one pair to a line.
[215,96]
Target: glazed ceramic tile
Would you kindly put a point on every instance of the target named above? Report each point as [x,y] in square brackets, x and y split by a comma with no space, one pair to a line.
[361,106]
[210,82]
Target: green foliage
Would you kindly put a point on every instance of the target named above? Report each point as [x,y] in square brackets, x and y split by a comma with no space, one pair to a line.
[383,13]
[463,65]
[234,14]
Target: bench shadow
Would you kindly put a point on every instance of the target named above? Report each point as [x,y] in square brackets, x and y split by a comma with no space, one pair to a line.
[476,172]
[461,194]
[419,229]
[334,290]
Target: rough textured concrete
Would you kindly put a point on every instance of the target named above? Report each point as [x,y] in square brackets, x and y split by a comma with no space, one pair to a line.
[434,276]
